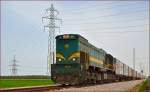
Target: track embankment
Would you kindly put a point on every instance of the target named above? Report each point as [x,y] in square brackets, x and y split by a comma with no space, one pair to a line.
[31,89]
[109,87]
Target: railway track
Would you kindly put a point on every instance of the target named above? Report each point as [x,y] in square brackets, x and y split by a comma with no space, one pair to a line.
[43,88]
[60,87]
[124,86]
[33,89]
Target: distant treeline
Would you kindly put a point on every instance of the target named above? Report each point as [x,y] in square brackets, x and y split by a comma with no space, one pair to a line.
[26,77]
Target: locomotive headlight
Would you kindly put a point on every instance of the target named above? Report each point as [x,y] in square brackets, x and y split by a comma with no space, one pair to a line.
[59,59]
[73,59]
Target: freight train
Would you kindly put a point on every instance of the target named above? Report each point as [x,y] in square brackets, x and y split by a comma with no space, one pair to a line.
[79,62]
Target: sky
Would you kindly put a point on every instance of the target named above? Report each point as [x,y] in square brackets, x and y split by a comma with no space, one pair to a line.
[115,26]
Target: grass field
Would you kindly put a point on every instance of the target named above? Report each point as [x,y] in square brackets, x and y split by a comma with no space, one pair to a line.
[144,86]
[12,83]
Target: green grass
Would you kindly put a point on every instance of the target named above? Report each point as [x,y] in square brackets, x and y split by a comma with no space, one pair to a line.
[12,83]
[144,85]
[26,77]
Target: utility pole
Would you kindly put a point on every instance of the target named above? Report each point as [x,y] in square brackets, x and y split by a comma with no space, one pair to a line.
[14,66]
[134,59]
[141,68]
[51,28]
[149,47]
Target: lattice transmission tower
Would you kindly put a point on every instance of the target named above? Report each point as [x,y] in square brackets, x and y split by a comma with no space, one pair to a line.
[14,66]
[51,19]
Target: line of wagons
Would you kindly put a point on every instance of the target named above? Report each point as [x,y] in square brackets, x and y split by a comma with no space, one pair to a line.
[79,62]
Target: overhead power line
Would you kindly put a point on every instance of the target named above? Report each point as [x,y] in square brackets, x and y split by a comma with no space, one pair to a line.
[89,4]
[93,8]
[130,26]
[110,15]
[116,27]
[118,32]
[100,22]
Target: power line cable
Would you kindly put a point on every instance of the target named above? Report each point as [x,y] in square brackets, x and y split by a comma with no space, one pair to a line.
[86,4]
[120,32]
[117,27]
[123,31]
[116,14]
[100,22]
[100,8]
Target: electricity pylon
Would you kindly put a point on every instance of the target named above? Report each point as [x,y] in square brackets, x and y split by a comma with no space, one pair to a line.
[14,66]
[51,28]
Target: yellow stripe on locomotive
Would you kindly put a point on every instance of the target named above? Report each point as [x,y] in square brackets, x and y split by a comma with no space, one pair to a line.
[93,59]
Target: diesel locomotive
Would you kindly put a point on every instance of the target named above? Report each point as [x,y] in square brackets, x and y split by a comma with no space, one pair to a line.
[79,62]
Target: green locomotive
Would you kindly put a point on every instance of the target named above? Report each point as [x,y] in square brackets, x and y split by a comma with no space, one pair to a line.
[78,61]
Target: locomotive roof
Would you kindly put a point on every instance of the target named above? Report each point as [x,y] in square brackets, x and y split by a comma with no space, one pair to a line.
[70,35]
[78,35]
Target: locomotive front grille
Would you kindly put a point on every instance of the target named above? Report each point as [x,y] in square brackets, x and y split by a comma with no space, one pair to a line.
[65,73]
